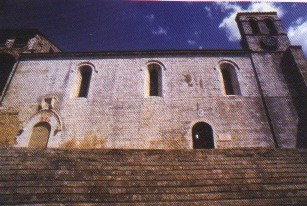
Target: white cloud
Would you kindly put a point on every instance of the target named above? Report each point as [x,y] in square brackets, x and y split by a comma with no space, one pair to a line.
[191,42]
[209,12]
[159,31]
[229,24]
[297,33]
[150,17]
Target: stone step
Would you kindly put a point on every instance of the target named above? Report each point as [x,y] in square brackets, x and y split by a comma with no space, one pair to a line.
[117,172]
[126,166]
[254,202]
[153,177]
[143,183]
[150,190]
[182,154]
[165,161]
[135,198]
[99,166]
[94,177]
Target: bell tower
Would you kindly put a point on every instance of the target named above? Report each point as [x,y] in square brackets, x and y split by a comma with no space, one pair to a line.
[280,70]
[262,32]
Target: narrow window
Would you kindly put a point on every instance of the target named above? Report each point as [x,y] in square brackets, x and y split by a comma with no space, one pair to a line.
[86,73]
[155,80]
[270,25]
[254,25]
[231,84]
[82,81]
[227,81]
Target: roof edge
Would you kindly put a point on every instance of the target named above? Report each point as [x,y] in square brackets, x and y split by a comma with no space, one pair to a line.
[131,53]
[247,13]
[255,13]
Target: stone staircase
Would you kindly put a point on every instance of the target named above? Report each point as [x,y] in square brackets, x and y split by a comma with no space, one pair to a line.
[154,177]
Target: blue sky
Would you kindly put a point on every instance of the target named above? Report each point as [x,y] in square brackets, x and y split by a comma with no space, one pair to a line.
[97,25]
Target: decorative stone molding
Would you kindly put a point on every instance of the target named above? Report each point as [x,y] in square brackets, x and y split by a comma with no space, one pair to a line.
[48,116]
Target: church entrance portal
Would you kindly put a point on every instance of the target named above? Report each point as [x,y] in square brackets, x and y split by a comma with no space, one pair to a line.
[202,135]
[40,135]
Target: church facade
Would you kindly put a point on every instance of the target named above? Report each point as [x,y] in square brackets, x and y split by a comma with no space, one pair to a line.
[254,97]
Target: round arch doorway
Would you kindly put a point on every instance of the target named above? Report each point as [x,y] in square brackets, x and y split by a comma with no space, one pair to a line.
[40,135]
[202,135]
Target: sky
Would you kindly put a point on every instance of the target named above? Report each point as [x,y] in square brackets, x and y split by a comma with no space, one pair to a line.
[105,25]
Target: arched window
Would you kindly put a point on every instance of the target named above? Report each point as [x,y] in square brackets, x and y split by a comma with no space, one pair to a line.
[254,25]
[202,135]
[40,135]
[154,86]
[230,80]
[270,25]
[83,79]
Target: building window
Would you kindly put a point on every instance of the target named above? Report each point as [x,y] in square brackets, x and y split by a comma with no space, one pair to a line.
[254,26]
[270,25]
[83,79]
[230,80]
[154,84]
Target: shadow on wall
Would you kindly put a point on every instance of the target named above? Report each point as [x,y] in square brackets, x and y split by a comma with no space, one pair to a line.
[298,90]
[6,64]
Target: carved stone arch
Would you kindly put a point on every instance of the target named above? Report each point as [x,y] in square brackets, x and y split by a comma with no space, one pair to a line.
[156,62]
[44,116]
[235,65]
[86,63]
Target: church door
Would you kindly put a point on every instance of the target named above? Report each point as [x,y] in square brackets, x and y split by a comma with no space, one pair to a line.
[202,135]
[40,135]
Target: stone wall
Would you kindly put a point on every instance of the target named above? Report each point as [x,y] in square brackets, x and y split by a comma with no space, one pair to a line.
[282,82]
[9,127]
[118,114]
